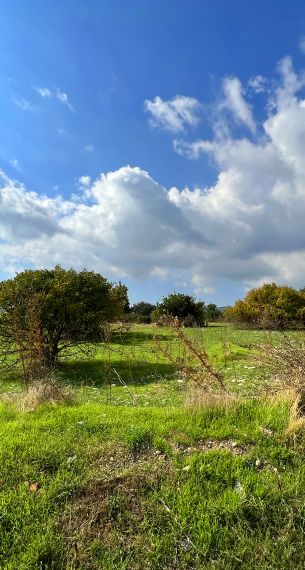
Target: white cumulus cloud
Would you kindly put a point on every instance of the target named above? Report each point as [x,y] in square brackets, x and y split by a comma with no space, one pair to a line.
[248,226]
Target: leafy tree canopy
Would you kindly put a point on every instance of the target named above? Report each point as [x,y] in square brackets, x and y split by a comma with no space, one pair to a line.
[143,308]
[269,306]
[54,309]
[189,311]
[213,313]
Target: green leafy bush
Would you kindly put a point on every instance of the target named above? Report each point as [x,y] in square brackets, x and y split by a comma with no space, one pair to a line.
[43,312]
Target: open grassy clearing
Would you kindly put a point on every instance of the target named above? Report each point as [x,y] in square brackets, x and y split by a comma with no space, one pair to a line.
[107,482]
[138,360]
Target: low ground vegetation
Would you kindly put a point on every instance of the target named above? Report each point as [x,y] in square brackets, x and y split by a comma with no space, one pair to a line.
[144,469]
[148,447]
[94,486]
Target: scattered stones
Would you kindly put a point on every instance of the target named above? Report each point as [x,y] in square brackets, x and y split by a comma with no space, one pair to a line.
[186,544]
[211,444]
[266,431]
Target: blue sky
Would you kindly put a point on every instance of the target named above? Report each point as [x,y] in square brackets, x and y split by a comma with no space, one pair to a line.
[78,88]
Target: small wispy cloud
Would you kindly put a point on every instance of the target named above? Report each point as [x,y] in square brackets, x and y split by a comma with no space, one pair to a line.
[44,92]
[89,148]
[15,164]
[192,150]
[62,132]
[258,83]
[63,98]
[24,104]
[84,181]
[55,93]
[302,44]
[235,102]
[173,115]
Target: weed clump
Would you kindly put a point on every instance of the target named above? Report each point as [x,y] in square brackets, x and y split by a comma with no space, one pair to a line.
[44,391]
[195,397]
[285,360]
[196,370]
[140,440]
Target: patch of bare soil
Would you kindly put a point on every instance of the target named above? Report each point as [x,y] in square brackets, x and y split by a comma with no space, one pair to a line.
[111,512]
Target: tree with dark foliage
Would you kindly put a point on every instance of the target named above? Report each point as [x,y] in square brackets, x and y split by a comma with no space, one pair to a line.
[44,312]
[142,311]
[185,308]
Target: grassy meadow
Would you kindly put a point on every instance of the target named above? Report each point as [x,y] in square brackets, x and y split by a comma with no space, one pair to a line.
[132,473]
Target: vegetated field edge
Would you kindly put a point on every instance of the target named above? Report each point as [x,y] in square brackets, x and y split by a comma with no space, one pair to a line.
[152,485]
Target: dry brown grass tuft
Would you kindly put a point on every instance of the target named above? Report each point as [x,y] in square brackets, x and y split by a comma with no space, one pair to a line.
[277,397]
[285,360]
[196,397]
[45,391]
[296,422]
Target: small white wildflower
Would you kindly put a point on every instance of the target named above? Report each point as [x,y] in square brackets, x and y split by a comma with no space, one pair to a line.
[71,459]
[239,488]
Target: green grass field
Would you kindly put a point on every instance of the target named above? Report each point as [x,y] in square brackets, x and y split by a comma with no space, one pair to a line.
[136,357]
[132,478]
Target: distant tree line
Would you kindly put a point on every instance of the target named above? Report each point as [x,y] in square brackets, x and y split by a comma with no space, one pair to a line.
[185,308]
[270,306]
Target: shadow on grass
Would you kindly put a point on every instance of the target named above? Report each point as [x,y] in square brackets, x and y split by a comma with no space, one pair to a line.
[97,373]
[137,336]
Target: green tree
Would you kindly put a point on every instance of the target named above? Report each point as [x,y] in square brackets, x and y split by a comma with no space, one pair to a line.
[268,306]
[184,307]
[120,292]
[213,313]
[44,312]
[143,311]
